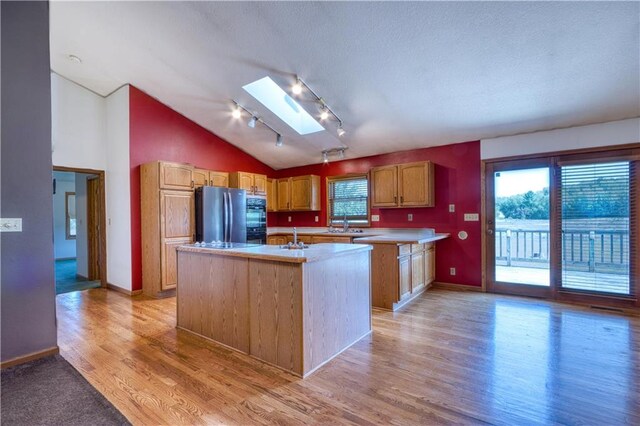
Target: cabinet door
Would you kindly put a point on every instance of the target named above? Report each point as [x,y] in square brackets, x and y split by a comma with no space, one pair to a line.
[284,190]
[176,176]
[260,184]
[301,193]
[272,195]
[275,240]
[417,271]
[415,184]
[219,179]
[430,263]
[404,276]
[316,239]
[200,178]
[175,214]
[244,181]
[169,262]
[384,185]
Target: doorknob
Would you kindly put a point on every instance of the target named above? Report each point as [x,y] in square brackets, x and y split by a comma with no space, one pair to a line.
[490,231]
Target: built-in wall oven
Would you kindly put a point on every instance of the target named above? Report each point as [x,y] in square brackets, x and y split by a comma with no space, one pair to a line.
[256,220]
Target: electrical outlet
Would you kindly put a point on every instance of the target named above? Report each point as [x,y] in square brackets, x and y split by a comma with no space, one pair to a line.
[410,217]
[11,225]
[452,208]
[471,217]
[452,271]
[288,218]
[317,219]
[375,218]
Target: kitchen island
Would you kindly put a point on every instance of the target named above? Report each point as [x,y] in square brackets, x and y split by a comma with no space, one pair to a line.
[295,309]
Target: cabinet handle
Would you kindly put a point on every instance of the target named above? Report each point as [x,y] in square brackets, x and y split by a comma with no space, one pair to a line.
[401,199]
[192,184]
[211,183]
[395,198]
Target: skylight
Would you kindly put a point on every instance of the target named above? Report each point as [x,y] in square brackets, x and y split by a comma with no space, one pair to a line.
[284,106]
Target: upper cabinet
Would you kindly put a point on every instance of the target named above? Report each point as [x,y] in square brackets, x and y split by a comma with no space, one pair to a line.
[203,177]
[403,185]
[299,193]
[272,195]
[254,184]
[175,176]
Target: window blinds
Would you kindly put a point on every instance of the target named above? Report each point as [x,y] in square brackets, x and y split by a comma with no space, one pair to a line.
[348,198]
[596,202]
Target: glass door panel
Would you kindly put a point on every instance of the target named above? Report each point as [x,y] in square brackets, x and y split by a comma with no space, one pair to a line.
[521,234]
[595,202]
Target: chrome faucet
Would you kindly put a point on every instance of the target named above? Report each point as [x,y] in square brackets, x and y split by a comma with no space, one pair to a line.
[345,224]
[295,236]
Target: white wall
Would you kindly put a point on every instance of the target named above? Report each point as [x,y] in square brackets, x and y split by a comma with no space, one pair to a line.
[82,256]
[118,190]
[78,126]
[63,248]
[595,135]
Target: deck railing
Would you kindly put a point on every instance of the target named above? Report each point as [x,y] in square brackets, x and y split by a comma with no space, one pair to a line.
[605,251]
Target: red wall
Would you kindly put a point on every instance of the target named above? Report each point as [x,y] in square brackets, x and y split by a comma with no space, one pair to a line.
[159,133]
[457,181]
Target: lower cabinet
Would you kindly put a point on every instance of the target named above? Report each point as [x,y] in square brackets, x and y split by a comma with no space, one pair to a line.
[277,240]
[400,272]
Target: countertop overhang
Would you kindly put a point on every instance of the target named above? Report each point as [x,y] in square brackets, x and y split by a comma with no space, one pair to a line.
[314,253]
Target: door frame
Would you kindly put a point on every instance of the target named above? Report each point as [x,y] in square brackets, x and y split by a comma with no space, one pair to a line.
[558,294]
[101,200]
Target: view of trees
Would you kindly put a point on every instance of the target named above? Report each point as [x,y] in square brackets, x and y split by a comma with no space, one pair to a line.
[603,197]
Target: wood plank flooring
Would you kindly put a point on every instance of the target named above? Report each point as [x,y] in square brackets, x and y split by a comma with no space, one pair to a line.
[449,357]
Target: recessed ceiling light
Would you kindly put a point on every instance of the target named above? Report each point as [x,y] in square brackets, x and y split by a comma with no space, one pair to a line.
[74,58]
[284,106]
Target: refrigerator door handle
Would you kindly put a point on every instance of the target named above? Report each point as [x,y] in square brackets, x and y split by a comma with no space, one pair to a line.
[230,216]
[226,216]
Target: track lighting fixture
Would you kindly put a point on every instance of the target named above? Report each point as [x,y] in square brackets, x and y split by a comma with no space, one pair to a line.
[337,151]
[325,110]
[237,113]
[296,89]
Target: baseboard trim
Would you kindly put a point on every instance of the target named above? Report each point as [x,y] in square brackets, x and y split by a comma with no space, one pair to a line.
[457,287]
[29,357]
[123,290]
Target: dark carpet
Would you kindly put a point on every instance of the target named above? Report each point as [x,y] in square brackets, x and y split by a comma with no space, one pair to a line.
[49,391]
[67,280]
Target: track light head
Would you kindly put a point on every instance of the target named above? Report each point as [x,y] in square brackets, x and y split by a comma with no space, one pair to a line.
[237,112]
[252,122]
[324,114]
[341,131]
[278,139]
[325,157]
[341,154]
[296,89]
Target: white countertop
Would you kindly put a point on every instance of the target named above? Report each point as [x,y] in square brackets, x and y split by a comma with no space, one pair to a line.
[314,253]
[366,232]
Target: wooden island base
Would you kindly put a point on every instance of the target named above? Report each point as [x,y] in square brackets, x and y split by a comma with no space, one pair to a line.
[294,312]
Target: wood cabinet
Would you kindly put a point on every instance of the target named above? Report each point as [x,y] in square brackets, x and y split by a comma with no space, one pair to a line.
[253,183]
[299,193]
[277,240]
[202,177]
[167,222]
[272,195]
[400,272]
[403,185]
[317,239]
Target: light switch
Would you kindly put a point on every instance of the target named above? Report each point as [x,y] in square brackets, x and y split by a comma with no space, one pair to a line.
[289,218]
[410,217]
[375,218]
[317,219]
[11,225]
[471,217]
[452,208]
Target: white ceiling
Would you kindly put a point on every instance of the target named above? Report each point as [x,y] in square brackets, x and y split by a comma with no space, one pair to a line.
[400,75]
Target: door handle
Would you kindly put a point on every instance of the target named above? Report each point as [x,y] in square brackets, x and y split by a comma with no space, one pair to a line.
[490,231]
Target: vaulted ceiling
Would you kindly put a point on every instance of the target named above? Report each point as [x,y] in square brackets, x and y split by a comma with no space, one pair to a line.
[400,75]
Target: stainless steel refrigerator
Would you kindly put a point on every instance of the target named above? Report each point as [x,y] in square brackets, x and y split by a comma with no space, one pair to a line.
[221,215]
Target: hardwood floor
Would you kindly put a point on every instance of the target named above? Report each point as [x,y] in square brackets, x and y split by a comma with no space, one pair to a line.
[449,357]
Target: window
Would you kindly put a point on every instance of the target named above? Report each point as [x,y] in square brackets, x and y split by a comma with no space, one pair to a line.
[70,214]
[348,198]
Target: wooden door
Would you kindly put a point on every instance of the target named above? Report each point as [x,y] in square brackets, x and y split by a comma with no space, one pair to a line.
[260,184]
[429,263]
[284,194]
[170,262]
[301,193]
[417,271]
[219,179]
[200,178]
[384,186]
[415,185]
[272,195]
[404,276]
[175,212]
[93,228]
[176,176]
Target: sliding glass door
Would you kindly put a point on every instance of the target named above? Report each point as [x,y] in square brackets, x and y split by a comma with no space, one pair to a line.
[564,227]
